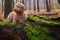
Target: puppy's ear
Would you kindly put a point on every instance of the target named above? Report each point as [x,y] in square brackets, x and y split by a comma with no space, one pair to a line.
[23,8]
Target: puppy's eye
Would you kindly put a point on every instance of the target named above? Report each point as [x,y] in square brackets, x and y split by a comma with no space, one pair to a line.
[18,6]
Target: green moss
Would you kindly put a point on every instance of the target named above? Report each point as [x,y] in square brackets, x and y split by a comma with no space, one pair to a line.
[41,33]
[43,21]
[8,24]
[35,38]
[35,27]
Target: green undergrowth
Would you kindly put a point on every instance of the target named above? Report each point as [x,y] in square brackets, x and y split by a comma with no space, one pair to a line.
[35,27]
[8,24]
[37,32]
[43,21]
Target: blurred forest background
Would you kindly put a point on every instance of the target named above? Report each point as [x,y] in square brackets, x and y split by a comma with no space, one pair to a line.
[34,5]
[30,4]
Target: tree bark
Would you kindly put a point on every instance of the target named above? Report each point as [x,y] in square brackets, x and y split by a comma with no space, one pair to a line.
[58,1]
[34,5]
[2,5]
[7,7]
[22,1]
[38,5]
[47,5]
[29,4]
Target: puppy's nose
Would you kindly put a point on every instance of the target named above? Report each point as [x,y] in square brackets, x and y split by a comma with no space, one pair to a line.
[15,8]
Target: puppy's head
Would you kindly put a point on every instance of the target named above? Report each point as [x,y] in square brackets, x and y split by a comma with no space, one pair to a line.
[18,7]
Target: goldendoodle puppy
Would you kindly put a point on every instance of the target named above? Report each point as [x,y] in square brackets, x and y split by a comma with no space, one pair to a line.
[18,14]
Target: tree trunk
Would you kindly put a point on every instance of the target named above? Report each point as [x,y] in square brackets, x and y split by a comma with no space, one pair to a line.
[7,7]
[2,5]
[47,5]
[29,4]
[13,4]
[38,5]
[22,1]
[58,1]
[16,1]
[34,5]
[50,5]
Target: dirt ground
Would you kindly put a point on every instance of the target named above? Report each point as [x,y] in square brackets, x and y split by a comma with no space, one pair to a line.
[54,13]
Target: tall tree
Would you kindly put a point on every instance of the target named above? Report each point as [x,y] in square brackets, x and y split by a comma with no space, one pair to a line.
[2,5]
[16,1]
[29,4]
[58,1]
[7,7]
[13,4]
[38,5]
[34,5]
[47,5]
[50,5]
[22,1]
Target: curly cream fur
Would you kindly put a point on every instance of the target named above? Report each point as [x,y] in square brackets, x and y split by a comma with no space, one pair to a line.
[18,14]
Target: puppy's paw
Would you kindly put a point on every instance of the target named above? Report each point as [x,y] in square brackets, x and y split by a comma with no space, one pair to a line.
[14,24]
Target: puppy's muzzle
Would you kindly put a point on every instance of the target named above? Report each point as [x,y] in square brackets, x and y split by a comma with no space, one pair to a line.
[16,9]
